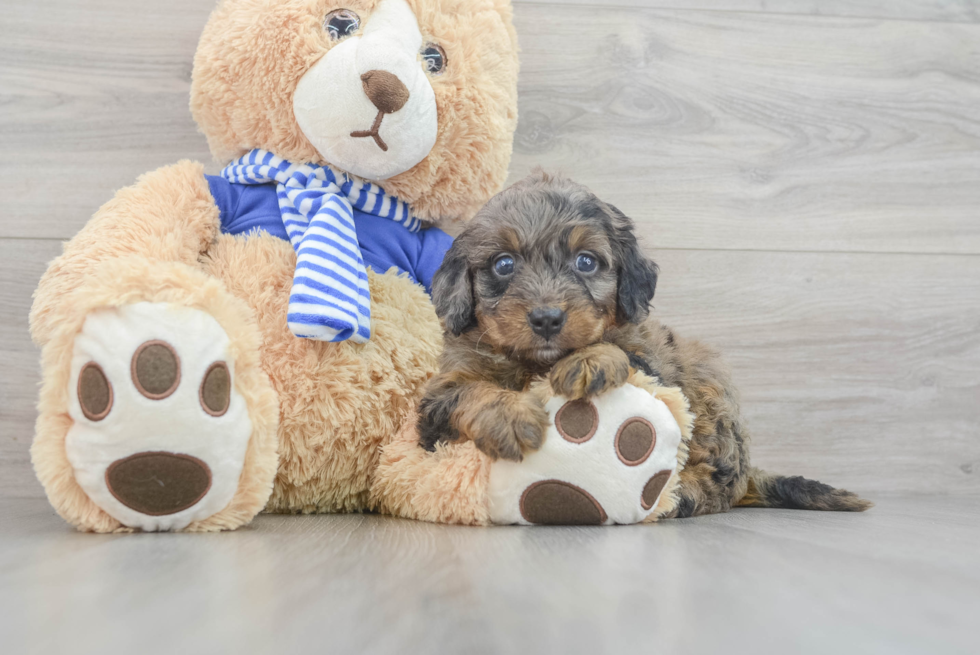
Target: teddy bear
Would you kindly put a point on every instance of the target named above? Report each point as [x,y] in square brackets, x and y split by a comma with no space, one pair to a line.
[612,459]
[216,345]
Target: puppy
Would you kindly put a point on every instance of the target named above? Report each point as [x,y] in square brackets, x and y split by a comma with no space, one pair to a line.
[548,280]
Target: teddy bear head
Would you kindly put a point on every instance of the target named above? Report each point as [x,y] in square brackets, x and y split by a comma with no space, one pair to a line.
[419,96]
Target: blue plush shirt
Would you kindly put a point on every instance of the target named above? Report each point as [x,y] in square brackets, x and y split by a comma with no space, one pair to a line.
[384,243]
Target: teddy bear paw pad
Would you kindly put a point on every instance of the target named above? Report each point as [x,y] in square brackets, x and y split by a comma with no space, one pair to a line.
[605,460]
[159,432]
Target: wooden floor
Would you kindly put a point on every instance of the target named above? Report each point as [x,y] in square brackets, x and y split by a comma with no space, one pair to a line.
[807,174]
[903,578]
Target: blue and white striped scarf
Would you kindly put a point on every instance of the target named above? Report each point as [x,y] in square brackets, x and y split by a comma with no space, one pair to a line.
[330,300]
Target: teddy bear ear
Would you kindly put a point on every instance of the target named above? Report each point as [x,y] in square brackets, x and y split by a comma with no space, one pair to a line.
[240,112]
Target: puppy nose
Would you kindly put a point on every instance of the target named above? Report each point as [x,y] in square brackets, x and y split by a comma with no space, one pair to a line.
[385,90]
[546,321]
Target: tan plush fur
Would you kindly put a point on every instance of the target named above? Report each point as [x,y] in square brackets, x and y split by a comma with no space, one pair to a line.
[127,280]
[339,400]
[451,485]
[252,55]
[159,240]
[447,486]
[168,215]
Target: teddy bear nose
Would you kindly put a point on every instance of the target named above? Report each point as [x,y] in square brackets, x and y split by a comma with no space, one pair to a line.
[385,90]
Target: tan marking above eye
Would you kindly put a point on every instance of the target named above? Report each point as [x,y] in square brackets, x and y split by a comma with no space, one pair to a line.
[94,392]
[584,238]
[652,489]
[635,440]
[577,421]
[553,502]
[215,393]
[156,369]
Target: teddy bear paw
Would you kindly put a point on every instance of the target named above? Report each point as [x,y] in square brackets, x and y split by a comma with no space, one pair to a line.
[605,460]
[160,433]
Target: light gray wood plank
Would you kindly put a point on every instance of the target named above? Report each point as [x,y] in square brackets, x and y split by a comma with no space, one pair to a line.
[858,370]
[95,94]
[755,131]
[902,578]
[728,130]
[21,264]
[962,11]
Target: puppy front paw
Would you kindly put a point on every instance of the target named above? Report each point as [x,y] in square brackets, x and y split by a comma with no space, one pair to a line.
[509,426]
[590,371]
[435,424]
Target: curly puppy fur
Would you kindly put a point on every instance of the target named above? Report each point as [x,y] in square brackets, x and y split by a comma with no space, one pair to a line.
[549,244]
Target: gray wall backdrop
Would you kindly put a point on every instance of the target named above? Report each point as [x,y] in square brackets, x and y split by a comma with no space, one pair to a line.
[806,173]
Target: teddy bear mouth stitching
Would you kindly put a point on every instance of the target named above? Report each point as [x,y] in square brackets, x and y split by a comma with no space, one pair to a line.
[388,94]
[373,132]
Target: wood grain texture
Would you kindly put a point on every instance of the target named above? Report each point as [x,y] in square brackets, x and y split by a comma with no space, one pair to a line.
[859,370]
[764,157]
[960,11]
[21,264]
[757,131]
[728,129]
[901,579]
[95,94]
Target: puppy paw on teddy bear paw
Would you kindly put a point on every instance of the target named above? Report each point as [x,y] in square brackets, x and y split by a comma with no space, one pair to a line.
[590,371]
[159,431]
[604,461]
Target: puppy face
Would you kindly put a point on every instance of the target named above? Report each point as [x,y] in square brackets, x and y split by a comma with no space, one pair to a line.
[542,270]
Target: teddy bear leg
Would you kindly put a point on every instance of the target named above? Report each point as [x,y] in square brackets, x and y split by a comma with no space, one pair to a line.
[613,459]
[168,215]
[446,486]
[155,411]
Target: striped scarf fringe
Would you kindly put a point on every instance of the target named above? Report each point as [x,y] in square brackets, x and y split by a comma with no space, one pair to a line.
[330,299]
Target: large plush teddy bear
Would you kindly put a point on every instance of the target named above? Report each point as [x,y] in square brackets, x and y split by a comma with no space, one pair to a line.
[216,345]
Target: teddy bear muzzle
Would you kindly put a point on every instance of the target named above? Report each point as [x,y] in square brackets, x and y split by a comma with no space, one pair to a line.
[388,94]
[368,105]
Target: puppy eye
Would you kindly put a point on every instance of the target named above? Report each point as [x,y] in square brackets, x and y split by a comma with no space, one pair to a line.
[341,23]
[433,58]
[586,262]
[503,266]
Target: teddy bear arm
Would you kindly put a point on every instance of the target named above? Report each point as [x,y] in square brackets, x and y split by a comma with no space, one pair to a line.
[167,215]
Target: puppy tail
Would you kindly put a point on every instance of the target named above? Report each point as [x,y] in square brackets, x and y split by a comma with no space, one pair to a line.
[780,491]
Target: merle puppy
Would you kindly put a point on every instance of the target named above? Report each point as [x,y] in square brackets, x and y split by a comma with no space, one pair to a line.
[548,280]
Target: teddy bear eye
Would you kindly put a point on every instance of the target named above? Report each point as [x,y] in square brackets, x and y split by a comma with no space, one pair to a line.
[341,23]
[434,58]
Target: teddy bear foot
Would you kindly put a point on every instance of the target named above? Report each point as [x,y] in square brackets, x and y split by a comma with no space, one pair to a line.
[159,434]
[606,460]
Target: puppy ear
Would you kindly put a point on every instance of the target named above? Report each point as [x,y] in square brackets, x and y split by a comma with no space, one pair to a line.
[452,291]
[637,275]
